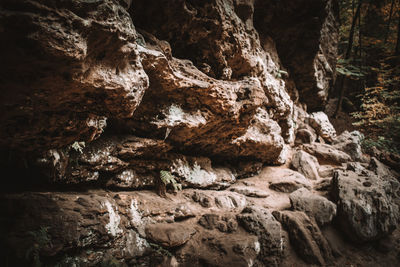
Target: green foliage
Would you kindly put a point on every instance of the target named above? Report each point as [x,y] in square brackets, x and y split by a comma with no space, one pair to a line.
[346,68]
[167,178]
[41,239]
[381,143]
[78,146]
[281,73]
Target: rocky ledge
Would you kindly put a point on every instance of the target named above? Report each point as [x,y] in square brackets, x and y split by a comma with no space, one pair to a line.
[101,97]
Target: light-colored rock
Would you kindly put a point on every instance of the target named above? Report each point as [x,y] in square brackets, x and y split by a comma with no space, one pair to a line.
[198,173]
[320,122]
[230,201]
[350,143]
[326,154]
[366,209]
[326,171]
[382,170]
[287,181]
[249,191]
[320,208]
[306,164]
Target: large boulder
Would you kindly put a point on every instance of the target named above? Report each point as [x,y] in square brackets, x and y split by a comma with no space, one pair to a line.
[262,223]
[227,101]
[306,164]
[326,154]
[350,142]
[67,67]
[306,237]
[315,206]
[286,180]
[366,208]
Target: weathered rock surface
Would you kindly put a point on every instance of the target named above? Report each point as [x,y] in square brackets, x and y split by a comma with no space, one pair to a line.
[169,235]
[306,237]
[320,208]
[365,205]
[129,162]
[351,144]
[287,181]
[249,192]
[320,122]
[326,153]
[67,67]
[304,136]
[306,164]
[313,27]
[262,223]
[222,223]
[100,96]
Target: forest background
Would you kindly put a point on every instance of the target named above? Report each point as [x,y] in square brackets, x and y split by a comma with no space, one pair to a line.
[368,68]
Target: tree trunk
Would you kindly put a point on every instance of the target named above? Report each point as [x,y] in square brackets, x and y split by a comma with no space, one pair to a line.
[347,56]
[389,21]
[397,50]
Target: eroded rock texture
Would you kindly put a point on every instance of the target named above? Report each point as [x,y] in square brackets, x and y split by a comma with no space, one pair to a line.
[98,97]
[306,43]
[66,67]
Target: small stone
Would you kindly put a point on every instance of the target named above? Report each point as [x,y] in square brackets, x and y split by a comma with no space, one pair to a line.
[250,192]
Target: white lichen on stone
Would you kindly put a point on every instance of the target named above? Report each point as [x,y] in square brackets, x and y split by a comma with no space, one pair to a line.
[113,225]
[136,217]
[283,156]
[127,176]
[174,116]
[135,245]
[257,247]
[193,174]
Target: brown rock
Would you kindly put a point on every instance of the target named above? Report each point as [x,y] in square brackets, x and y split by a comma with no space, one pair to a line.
[64,81]
[249,192]
[305,164]
[169,235]
[312,25]
[306,237]
[287,181]
[318,207]
[260,222]
[326,153]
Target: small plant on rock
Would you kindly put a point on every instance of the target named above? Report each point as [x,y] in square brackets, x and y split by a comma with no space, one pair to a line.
[78,146]
[166,178]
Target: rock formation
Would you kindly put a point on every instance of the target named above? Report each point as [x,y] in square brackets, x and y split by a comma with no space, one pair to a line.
[100,96]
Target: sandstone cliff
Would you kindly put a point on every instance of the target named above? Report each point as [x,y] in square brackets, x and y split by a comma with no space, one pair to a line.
[100,96]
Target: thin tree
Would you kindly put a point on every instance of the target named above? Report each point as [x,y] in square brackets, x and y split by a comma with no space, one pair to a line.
[389,21]
[397,50]
[347,56]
